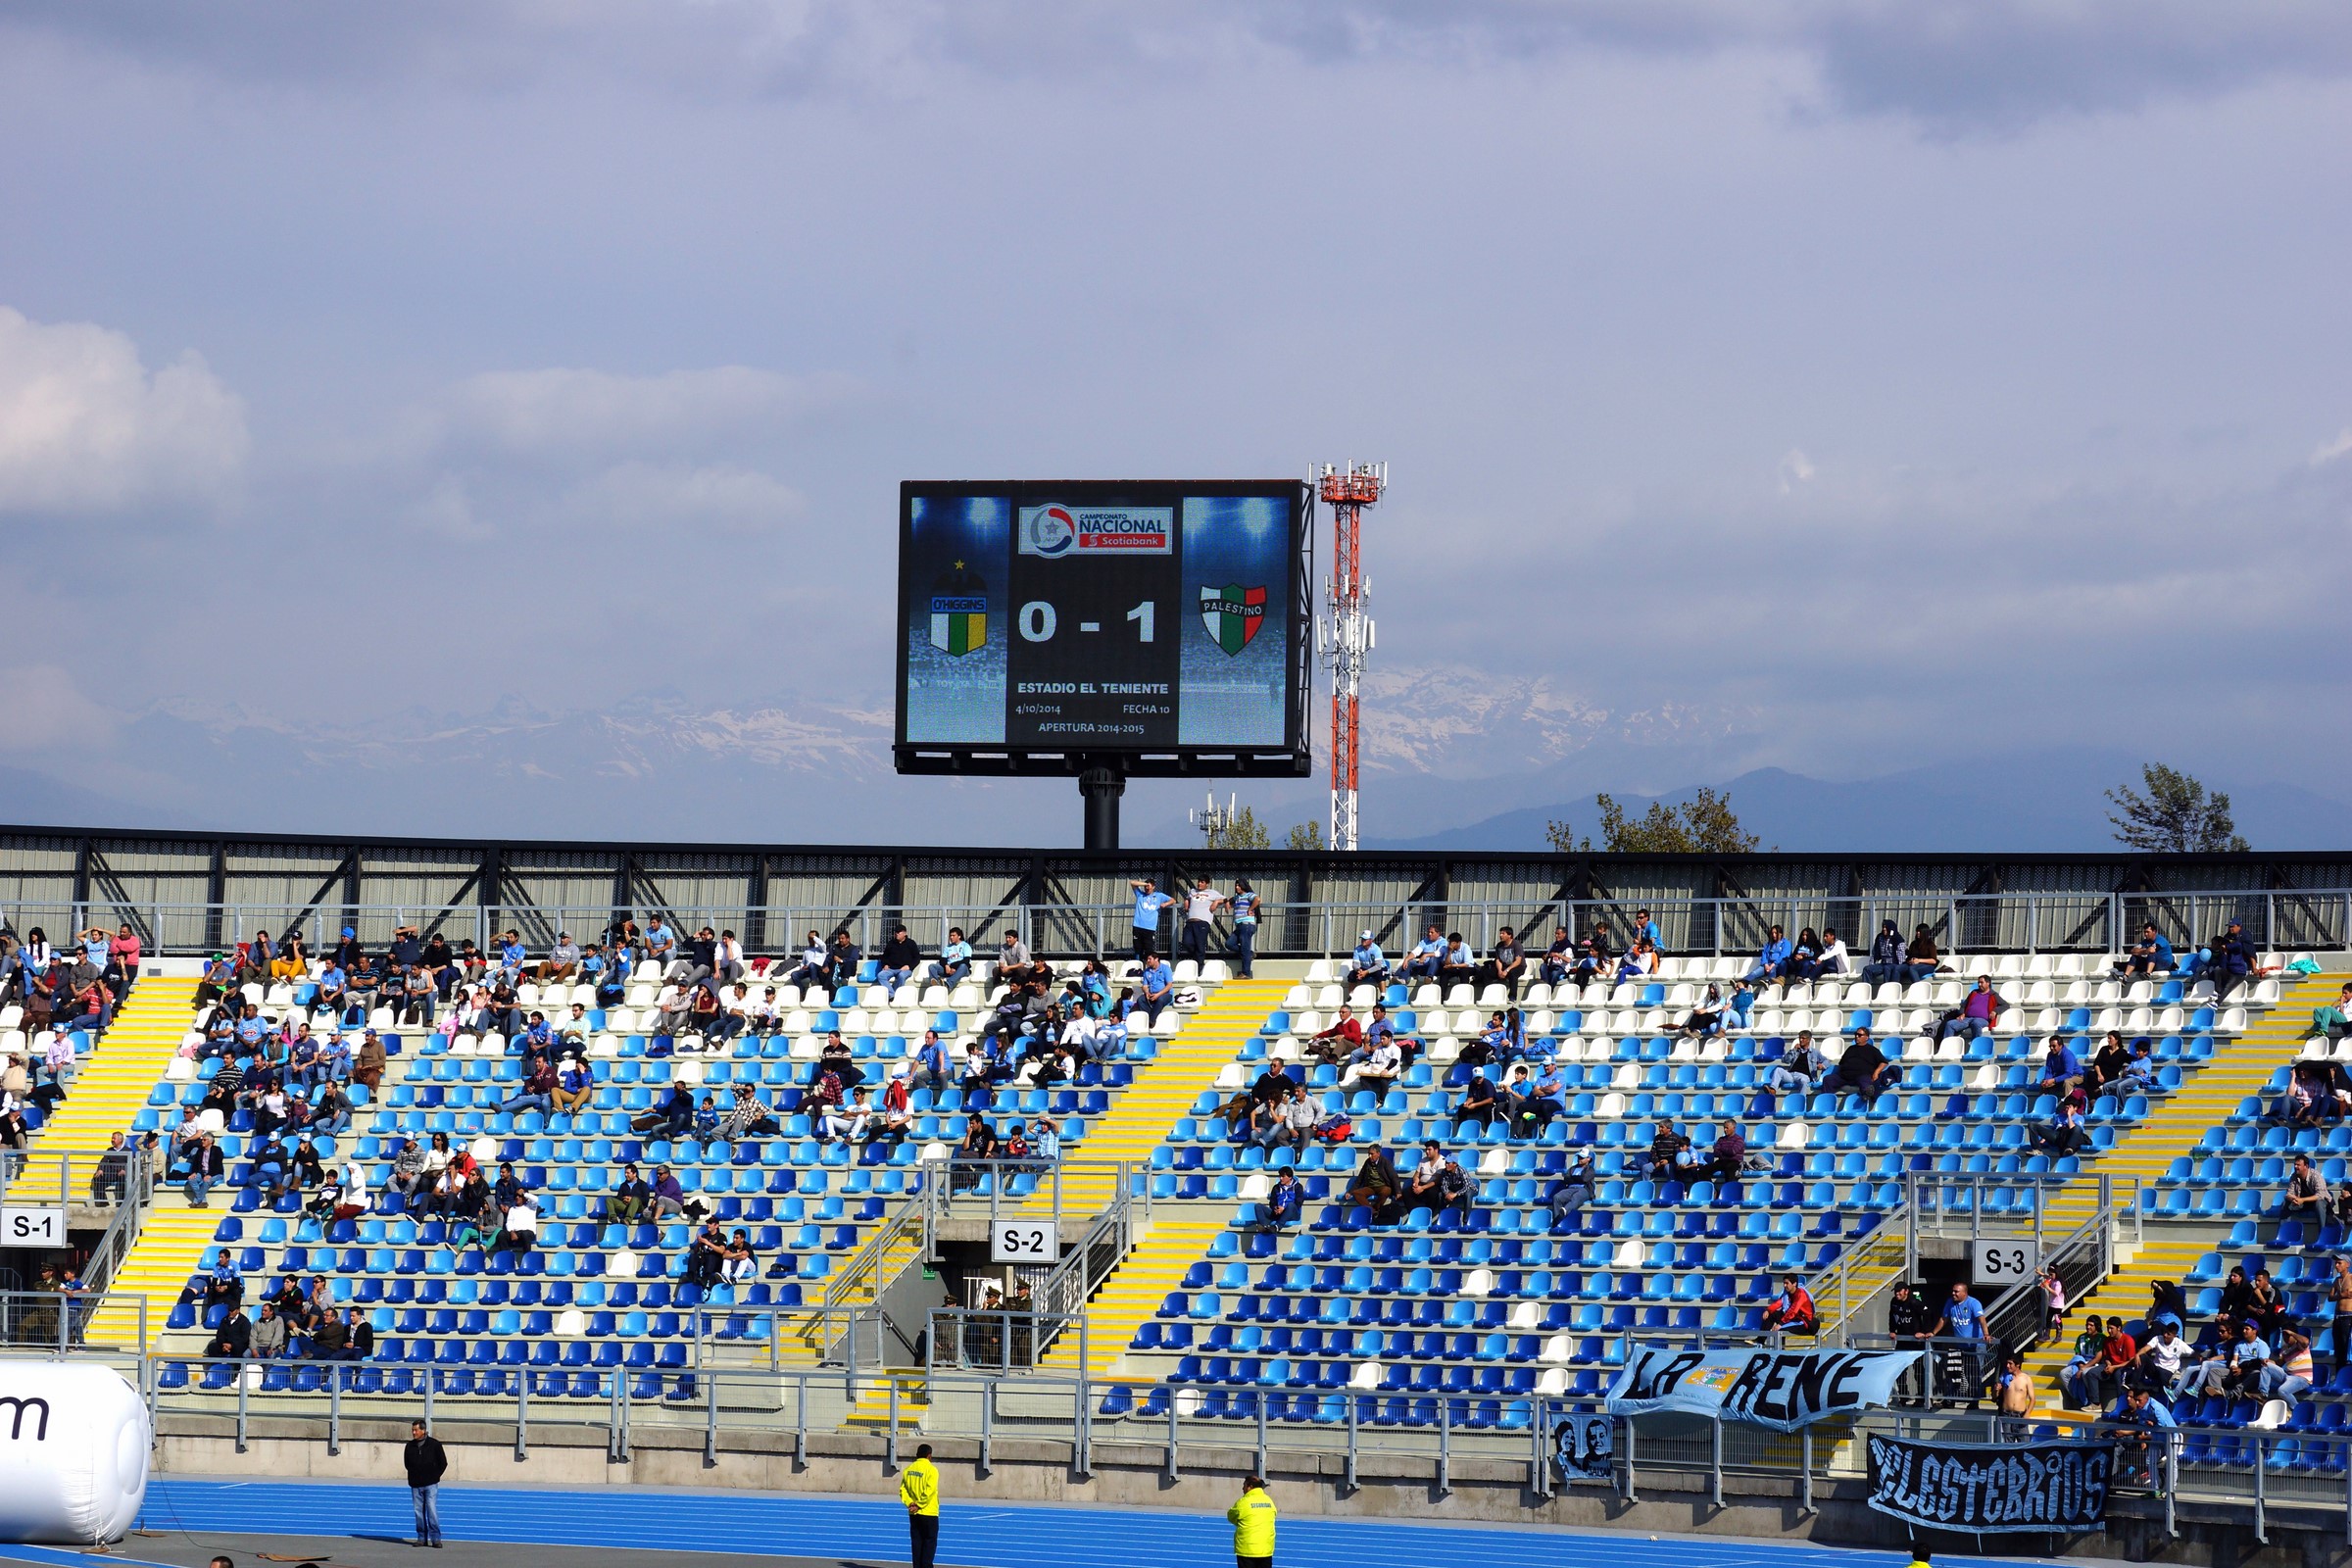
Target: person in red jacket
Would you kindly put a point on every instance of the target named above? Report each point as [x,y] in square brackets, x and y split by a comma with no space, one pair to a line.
[1792,1311]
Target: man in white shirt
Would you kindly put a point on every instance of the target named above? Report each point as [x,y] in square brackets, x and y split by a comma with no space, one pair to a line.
[1378,1066]
[850,1123]
[1199,909]
[1832,960]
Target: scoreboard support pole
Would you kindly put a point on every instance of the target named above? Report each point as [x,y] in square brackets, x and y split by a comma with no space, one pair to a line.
[1101,787]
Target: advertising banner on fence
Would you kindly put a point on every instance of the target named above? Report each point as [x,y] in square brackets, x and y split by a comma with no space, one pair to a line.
[1784,1390]
[1985,1490]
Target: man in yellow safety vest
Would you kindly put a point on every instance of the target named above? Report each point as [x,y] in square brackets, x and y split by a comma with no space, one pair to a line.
[1252,1520]
[919,1490]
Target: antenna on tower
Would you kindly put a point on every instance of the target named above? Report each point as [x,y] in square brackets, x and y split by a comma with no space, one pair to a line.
[1214,821]
[1345,635]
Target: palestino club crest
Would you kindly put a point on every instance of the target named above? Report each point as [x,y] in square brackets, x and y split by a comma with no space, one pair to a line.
[1233,614]
[959,611]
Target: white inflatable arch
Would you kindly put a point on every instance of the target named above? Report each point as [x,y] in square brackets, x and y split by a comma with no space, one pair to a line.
[73,1446]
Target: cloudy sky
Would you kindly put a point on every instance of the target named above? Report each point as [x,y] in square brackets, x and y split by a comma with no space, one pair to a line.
[1883,385]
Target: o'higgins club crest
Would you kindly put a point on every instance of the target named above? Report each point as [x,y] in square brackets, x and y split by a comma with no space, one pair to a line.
[959,611]
[1233,614]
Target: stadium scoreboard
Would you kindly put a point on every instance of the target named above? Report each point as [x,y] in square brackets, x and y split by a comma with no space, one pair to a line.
[1155,627]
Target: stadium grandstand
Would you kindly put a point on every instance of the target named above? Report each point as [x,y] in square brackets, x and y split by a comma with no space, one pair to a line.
[762,1162]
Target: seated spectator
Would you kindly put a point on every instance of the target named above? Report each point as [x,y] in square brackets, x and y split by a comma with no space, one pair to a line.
[2106,1065]
[1505,966]
[1831,960]
[1341,1039]
[1792,1311]
[223,1286]
[537,1089]
[928,1067]
[1919,960]
[893,1118]
[1797,1069]
[1479,1104]
[330,1112]
[205,1170]
[331,1341]
[1428,956]
[1158,985]
[2239,1369]
[1804,955]
[1637,965]
[847,1124]
[1376,1066]
[1285,1203]
[1593,954]
[1571,1189]
[1291,1122]
[1536,1103]
[1705,1021]
[575,1087]
[1666,1146]
[2232,958]
[2163,1359]
[815,965]
[1729,1157]
[1376,1186]
[233,1339]
[1885,956]
[843,960]
[669,1196]
[2306,1194]
[955,958]
[750,1116]
[2150,956]
[1862,1069]
[519,1224]
[900,957]
[1367,966]
[1453,1189]
[2335,1020]
[1559,958]
[1772,959]
[2063,1134]
[707,1256]
[2061,1069]
[1978,1011]
[268,1340]
[407,1178]
[673,1115]
[1460,965]
[738,1264]
[1421,1187]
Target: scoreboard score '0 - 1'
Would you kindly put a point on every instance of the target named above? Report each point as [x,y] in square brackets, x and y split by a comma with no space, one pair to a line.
[1163,624]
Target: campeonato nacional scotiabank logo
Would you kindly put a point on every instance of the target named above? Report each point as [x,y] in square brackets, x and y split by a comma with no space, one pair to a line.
[1053,530]
[1231,613]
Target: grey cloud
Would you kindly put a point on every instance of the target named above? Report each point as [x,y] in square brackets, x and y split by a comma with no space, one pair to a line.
[1951,65]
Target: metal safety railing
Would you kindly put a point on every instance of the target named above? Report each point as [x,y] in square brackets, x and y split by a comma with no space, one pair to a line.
[2278,1473]
[2018,921]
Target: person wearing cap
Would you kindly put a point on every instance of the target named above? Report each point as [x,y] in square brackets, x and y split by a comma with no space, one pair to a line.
[347,948]
[919,1490]
[1148,902]
[1252,1518]
[2232,960]
[1368,966]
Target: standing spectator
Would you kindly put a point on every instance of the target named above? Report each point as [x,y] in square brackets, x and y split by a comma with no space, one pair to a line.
[1199,910]
[426,1464]
[1242,945]
[1964,1320]
[1148,902]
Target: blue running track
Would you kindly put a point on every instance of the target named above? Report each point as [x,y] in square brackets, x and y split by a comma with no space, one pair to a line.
[976,1535]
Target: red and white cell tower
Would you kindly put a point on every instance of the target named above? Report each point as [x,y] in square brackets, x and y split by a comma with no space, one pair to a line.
[1346,634]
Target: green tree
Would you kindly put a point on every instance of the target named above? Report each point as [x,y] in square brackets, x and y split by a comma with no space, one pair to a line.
[1242,831]
[1704,824]
[1563,838]
[1306,836]
[2175,816]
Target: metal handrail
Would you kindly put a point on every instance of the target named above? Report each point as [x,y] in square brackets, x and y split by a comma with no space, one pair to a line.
[2021,921]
